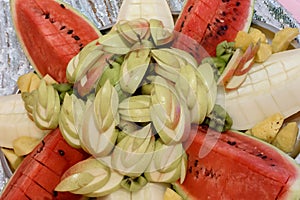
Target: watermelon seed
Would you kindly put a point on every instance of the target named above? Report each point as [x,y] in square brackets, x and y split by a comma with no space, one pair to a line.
[70,31]
[41,148]
[55,193]
[62,28]
[61,152]
[264,157]
[62,5]
[208,26]
[190,169]
[47,15]
[76,37]
[190,8]
[238,3]
[259,155]
[231,143]
[52,20]
[196,163]
[197,174]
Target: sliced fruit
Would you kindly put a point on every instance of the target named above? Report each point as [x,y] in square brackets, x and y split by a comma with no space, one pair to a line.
[211,22]
[268,128]
[24,145]
[171,195]
[13,159]
[58,33]
[286,137]
[283,38]
[232,165]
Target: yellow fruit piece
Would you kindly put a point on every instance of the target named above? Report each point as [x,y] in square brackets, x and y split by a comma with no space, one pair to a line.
[283,38]
[257,35]
[171,195]
[286,137]
[13,159]
[24,145]
[263,53]
[242,40]
[28,82]
[49,80]
[268,128]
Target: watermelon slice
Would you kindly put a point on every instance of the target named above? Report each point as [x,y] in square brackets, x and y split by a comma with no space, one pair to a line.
[210,22]
[232,165]
[51,33]
[41,170]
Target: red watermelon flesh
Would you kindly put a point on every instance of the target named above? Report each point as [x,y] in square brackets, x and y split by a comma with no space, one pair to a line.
[210,22]
[238,167]
[51,33]
[41,170]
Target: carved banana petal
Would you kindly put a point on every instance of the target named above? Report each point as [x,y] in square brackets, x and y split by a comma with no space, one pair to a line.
[89,61]
[136,102]
[164,94]
[106,106]
[171,75]
[167,157]
[134,69]
[113,39]
[159,33]
[200,108]
[206,77]
[134,30]
[166,59]
[187,57]
[171,135]
[131,114]
[133,154]
[81,63]
[136,107]
[97,143]
[186,85]
[46,107]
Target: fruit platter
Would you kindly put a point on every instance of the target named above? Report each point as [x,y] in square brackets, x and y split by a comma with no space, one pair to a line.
[150,100]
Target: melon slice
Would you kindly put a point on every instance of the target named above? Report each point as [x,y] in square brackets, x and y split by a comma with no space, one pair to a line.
[51,33]
[210,22]
[232,165]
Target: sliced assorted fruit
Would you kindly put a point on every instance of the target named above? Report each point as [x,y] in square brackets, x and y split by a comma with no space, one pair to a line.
[211,22]
[274,90]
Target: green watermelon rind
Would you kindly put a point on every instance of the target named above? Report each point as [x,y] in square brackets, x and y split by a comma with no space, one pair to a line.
[293,192]
[19,36]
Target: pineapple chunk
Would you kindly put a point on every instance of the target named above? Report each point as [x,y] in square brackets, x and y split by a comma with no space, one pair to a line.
[283,38]
[171,195]
[28,82]
[242,40]
[286,137]
[268,128]
[13,159]
[24,145]
[263,53]
[257,35]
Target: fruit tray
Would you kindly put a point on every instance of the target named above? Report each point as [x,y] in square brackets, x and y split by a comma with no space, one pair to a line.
[268,14]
